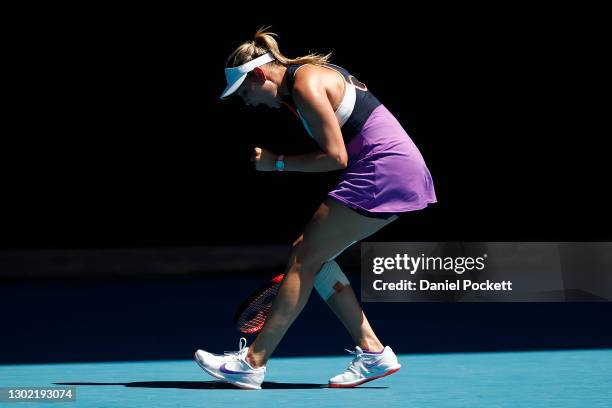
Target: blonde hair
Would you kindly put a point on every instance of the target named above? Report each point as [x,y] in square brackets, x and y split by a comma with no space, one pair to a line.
[263,43]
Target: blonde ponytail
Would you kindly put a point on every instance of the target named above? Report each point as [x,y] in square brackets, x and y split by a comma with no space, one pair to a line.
[265,42]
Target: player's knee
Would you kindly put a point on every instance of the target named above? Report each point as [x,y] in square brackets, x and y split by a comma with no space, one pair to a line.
[309,260]
[311,265]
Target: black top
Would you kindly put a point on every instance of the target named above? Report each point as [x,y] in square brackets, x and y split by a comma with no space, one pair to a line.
[365,101]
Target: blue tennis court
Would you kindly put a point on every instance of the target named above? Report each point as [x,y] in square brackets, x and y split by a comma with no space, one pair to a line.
[501,379]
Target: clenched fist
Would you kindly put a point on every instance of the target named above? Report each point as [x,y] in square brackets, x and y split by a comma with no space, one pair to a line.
[264,159]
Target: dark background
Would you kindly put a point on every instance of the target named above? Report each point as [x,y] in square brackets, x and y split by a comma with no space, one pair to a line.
[119,138]
[115,138]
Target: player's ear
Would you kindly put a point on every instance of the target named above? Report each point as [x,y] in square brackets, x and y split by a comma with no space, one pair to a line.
[258,75]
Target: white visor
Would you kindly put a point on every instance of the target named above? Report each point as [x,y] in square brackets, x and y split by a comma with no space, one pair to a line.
[235,76]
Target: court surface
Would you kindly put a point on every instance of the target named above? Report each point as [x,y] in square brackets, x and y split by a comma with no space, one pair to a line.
[572,378]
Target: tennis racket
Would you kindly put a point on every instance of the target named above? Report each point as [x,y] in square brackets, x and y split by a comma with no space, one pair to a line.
[253,312]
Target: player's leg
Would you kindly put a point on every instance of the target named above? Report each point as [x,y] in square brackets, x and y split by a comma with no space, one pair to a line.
[332,229]
[334,287]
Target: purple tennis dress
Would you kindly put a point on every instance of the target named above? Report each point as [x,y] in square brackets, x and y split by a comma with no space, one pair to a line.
[386,173]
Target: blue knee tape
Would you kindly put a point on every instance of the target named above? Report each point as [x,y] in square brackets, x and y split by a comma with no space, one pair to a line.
[330,280]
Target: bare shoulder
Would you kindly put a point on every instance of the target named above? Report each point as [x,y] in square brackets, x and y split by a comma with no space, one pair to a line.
[308,79]
[313,80]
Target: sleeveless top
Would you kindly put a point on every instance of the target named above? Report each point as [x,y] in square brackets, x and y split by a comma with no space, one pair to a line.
[355,107]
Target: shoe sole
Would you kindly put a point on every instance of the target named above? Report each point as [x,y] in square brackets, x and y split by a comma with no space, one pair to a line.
[351,385]
[242,386]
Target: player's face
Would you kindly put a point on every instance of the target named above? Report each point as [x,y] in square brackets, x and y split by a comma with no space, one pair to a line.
[256,91]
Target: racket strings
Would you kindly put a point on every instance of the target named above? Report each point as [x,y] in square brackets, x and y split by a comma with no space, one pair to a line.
[254,315]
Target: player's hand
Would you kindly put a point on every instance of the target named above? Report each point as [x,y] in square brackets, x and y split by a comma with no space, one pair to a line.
[264,159]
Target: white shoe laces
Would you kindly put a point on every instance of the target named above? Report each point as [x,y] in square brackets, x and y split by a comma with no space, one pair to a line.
[242,349]
[352,365]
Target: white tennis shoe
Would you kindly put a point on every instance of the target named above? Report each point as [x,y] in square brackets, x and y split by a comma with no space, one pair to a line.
[366,367]
[232,367]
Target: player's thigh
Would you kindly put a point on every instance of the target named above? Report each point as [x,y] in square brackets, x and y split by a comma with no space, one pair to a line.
[332,229]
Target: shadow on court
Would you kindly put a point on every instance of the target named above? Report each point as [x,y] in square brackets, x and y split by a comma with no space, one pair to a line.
[212,385]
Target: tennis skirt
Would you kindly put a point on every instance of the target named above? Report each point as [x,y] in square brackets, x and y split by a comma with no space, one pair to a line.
[386,173]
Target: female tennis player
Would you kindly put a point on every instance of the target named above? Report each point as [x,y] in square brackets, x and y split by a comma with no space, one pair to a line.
[383,175]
